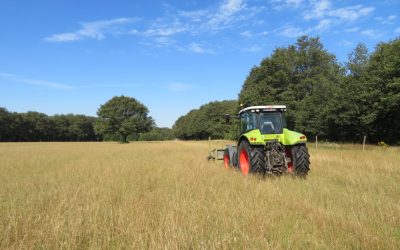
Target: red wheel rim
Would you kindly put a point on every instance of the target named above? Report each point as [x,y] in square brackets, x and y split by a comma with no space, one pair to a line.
[290,164]
[290,167]
[226,161]
[244,162]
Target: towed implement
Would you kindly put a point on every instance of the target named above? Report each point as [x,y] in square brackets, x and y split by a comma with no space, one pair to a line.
[265,145]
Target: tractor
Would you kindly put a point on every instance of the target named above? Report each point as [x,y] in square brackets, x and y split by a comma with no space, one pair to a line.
[265,145]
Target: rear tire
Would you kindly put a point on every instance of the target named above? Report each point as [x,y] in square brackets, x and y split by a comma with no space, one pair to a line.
[301,160]
[250,159]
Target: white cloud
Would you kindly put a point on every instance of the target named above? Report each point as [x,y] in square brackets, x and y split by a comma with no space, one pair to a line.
[197,48]
[226,15]
[247,33]
[370,33]
[351,13]
[230,7]
[64,37]
[323,24]
[179,87]
[250,34]
[194,16]
[324,9]
[93,30]
[264,33]
[163,41]
[47,84]
[283,4]
[345,43]
[252,49]
[386,20]
[165,32]
[232,15]
[58,85]
[164,27]
[134,32]
[291,31]
[319,9]
[351,30]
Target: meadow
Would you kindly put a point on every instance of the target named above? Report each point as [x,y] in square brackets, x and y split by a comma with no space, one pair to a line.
[166,195]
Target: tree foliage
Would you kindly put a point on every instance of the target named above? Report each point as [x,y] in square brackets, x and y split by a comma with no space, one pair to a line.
[34,126]
[304,77]
[381,92]
[123,116]
[324,98]
[336,102]
[207,121]
[157,134]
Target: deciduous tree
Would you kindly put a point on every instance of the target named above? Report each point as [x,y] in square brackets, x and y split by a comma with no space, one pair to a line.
[122,116]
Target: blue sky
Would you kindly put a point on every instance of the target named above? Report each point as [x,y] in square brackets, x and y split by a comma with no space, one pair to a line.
[71,56]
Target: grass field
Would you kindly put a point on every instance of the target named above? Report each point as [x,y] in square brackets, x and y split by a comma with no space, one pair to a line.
[165,195]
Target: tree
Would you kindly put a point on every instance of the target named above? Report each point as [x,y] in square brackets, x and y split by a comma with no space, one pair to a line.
[157,134]
[358,61]
[123,116]
[207,121]
[349,101]
[368,102]
[381,90]
[5,124]
[304,77]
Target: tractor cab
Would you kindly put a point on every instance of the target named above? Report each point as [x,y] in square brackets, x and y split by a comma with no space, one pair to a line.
[267,119]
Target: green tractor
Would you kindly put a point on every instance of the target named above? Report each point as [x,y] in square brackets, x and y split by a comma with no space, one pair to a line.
[265,145]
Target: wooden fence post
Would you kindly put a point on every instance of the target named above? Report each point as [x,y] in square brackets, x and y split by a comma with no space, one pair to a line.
[364,139]
[316,142]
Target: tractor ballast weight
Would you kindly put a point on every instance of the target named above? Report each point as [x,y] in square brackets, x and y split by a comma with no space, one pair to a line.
[265,145]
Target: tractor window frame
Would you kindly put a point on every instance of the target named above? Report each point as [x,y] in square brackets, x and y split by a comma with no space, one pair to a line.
[248,121]
[278,125]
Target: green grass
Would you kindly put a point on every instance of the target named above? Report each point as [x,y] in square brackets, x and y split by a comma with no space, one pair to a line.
[166,195]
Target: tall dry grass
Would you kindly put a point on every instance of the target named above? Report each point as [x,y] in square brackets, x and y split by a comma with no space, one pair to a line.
[167,196]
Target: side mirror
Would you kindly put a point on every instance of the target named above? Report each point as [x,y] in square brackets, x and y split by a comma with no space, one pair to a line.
[227,118]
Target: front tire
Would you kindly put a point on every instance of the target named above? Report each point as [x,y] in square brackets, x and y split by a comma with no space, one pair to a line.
[251,159]
[301,160]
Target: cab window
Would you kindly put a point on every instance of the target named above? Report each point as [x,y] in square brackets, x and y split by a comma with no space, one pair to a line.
[248,121]
[271,123]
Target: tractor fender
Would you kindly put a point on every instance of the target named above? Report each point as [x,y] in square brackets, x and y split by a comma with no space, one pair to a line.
[253,137]
[242,138]
[293,138]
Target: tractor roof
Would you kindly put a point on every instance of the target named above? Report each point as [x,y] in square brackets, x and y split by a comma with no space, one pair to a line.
[265,108]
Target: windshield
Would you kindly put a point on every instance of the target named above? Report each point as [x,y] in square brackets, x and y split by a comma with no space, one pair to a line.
[271,123]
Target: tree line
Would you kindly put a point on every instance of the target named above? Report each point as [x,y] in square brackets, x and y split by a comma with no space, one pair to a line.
[35,126]
[207,121]
[120,119]
[337,102]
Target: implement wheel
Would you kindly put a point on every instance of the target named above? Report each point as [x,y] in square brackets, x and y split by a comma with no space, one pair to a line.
[227,159]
